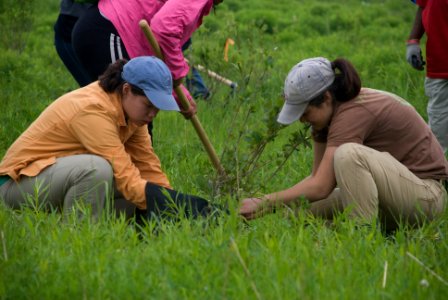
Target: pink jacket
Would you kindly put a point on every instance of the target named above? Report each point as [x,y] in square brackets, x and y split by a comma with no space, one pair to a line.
[172,22]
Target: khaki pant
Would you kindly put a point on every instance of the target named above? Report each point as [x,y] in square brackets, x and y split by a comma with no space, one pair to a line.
[437,92]
[374,184]
[72,183]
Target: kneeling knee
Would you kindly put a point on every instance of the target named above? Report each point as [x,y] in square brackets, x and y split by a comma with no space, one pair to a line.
[348,152]
[101,168]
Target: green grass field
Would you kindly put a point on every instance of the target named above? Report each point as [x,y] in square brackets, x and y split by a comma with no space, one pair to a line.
[281,256]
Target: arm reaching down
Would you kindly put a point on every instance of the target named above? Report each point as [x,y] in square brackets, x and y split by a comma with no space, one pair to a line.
[315,187]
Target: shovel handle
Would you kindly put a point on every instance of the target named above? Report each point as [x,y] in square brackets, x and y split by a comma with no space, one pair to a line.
[183,99]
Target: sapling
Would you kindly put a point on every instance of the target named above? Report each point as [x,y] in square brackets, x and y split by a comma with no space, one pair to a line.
[253,114]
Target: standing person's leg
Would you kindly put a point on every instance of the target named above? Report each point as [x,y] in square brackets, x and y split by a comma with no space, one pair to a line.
[62,40]
[437,92]
[195,83]
[71,182]
[96,42]
[198,87]
[150,127]
[375,183]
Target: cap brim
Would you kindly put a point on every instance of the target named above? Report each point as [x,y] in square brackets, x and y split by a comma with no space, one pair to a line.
[162,100]
[291,113]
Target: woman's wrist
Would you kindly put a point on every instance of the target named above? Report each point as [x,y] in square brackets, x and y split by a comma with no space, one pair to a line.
[268,200]
[413,41]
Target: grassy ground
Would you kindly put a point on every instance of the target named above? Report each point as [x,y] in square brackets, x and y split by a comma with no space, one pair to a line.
[275,257]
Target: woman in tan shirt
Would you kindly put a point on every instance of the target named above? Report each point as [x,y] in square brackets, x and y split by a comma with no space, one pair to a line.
[373,153]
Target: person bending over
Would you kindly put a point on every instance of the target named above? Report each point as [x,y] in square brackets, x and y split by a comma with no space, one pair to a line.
[373,153]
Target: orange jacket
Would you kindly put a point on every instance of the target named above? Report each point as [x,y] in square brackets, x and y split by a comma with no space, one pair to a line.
[88,121]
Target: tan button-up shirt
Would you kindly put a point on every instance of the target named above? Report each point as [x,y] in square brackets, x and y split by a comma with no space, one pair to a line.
[88,121]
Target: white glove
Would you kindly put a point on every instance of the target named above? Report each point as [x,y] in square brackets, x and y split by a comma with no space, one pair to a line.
[414,55]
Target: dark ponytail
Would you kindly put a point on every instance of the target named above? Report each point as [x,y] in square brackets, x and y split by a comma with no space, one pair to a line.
[347,83]
[111,80]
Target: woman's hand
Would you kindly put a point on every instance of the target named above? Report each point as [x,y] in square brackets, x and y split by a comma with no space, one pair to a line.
[252,208]
[191,111]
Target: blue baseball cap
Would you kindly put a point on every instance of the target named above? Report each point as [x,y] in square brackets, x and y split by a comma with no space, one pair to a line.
[151,75]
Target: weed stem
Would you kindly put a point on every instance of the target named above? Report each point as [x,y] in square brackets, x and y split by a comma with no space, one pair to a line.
[5,254]
[427,269]
[246,270]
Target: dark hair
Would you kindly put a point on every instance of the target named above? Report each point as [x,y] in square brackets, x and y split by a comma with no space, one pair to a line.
[346,85]
[112,82]
[317,101]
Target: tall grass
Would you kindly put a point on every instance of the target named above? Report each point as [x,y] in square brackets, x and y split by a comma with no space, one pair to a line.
[284,255]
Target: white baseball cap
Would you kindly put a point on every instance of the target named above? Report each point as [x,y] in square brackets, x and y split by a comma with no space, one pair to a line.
[306,80]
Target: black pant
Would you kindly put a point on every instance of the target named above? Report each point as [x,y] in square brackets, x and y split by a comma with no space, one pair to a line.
[63,42]
[96,43]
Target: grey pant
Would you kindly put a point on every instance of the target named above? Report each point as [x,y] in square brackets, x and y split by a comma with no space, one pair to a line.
[437,92]
[73,183]
[375,184]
